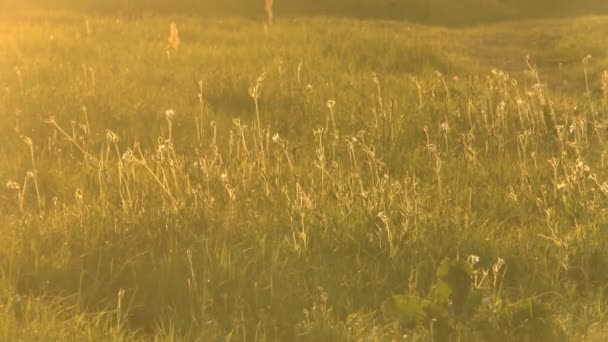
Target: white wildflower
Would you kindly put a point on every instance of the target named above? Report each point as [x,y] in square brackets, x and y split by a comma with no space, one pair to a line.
[473,259]
[12,185]
[169,114]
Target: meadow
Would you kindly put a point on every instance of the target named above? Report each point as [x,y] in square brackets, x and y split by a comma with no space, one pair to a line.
[322,179]
[444,12]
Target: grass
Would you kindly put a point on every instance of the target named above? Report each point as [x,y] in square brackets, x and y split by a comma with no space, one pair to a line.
[443,12]
[378,180]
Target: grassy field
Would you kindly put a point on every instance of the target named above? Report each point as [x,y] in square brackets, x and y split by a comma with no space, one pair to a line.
[322,180]
[444,12]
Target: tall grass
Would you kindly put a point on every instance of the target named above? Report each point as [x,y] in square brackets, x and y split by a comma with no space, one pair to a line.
[347,195]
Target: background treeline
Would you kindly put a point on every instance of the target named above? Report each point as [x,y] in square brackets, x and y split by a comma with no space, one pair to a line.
[431,11]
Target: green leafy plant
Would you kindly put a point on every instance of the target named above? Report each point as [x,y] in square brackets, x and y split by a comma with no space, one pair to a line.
[452,301]
[454,308]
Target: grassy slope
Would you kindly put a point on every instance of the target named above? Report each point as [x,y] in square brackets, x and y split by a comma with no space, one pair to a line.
[445,12]
[311,237]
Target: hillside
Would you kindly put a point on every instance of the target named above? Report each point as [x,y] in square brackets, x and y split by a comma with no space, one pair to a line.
[444,12]
[324,179]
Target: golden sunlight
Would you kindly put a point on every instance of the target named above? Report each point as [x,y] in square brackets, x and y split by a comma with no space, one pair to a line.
[320,170]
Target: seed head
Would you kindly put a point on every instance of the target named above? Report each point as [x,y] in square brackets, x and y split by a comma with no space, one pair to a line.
[111,136]
[28,141]
[473,259]
[78,194]
[127,157]
[587,59]
[169,114]
[499,264]
[13,185]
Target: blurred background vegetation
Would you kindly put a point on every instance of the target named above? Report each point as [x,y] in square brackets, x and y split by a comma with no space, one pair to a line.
[447,12]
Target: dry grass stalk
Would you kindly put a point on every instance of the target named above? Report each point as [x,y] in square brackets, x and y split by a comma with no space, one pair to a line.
[268,4]
[174,40]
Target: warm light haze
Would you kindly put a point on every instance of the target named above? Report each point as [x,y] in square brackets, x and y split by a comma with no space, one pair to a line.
[289,170]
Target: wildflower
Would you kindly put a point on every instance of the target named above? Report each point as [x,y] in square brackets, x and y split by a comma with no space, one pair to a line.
[254,91]
[262,77]
[587,59]
[12,185]
[276,138]
[78,194]
[331,103]
[169,114]
[604,188]
[382,216]
[127,157]
[512,194]
[473,259]
[111,136]
[499,264]
[51,120]
[582,167]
